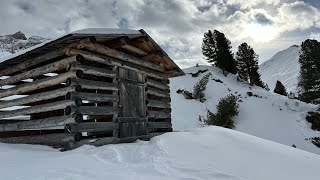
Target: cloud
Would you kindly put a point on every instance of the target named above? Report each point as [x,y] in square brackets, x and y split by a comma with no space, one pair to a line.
[177,25]
[315,36]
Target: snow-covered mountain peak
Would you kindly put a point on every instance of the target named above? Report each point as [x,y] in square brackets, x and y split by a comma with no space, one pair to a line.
[283,66]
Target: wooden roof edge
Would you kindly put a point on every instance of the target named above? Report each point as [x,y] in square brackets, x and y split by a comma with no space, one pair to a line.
[177,68]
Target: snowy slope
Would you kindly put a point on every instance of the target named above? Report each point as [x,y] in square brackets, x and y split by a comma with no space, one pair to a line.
[283,66]
[199,154]
[271,117]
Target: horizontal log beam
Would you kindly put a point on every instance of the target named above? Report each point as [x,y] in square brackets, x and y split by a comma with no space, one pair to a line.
[57,139]
[99,48]
[98,85]
[40,108]
[157,92]
[91,110]
[91,127]
[42,83]
[158,114]
[131,119]
[94,71]
[32,62]
[58,122]
[124,43]
[39,97]
[157,84]
[92,97]
[157,104]
[113,61]
[159,125]
[49,68]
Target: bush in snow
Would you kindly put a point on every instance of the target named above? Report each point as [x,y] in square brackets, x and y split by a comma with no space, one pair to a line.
[200,87]
[314,119]
[227,108]
[280,89]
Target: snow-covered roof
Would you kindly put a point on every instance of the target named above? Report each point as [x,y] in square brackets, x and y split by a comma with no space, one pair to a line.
[106,31]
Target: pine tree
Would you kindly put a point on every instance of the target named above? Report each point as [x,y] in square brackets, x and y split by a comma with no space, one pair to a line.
[309,79]
[280,89]
[200,87]
[247,65]
[217,50]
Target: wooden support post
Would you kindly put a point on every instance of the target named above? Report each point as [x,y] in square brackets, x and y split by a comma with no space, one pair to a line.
[91,127]
[56,66]
[41,108]
[58,122]
[42,83]
[116,104]
[39,97]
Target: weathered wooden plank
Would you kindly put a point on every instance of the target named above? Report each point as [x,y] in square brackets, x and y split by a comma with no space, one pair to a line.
[124,43]
[157,104]
[56,66]
[112,61]
[39,97]
[115,104]
[91,127]
[158,114]
[58,122]
[159,125]
[95,97]
[131,119]
[40,108]
[94,71]
[157,92]
[89,84]
[32,62]
[157,84]
[57,139]
[42,83]
[99,48]
[99,110]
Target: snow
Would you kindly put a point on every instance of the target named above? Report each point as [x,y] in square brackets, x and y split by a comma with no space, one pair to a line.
[273,117]
[106,31]
[283,66]
[205,153]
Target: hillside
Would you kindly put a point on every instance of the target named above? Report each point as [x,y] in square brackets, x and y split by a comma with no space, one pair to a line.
[283,66]
[205,153]
[269,116]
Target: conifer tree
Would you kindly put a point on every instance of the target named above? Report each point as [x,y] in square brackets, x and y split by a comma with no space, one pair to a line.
[247,65]
[200,87]
[309,79]
[280,89]
[217,50]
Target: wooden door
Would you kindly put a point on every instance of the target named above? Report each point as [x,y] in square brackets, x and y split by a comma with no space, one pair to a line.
[132,116]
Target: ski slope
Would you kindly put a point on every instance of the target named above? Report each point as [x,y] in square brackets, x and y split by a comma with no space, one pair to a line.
[269,116]
[198,154]
[283,66]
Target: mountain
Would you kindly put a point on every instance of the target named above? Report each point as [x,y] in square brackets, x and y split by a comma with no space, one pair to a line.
[264,114]
[283,66]
[16,42]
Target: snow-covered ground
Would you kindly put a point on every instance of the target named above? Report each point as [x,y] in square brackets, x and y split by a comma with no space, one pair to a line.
[205,153]
[269,116]
[283,66]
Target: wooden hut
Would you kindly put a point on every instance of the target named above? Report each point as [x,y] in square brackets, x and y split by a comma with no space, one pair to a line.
[93,86]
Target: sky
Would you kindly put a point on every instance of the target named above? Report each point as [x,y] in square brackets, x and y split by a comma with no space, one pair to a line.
[177,25]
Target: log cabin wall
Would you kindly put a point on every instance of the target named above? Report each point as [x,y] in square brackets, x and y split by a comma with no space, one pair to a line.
[89,91]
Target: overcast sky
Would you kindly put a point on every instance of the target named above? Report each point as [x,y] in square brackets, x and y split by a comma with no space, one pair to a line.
[177,25]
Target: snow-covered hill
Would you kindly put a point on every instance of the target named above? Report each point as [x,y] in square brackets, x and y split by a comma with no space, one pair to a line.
[16,42]
[268,115]
[198,154]
[283,66]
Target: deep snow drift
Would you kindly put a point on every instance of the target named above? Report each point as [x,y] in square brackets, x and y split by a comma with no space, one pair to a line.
[205,153]
[269,115]
[283,66]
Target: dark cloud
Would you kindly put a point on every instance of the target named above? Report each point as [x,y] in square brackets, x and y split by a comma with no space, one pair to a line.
[262,19]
